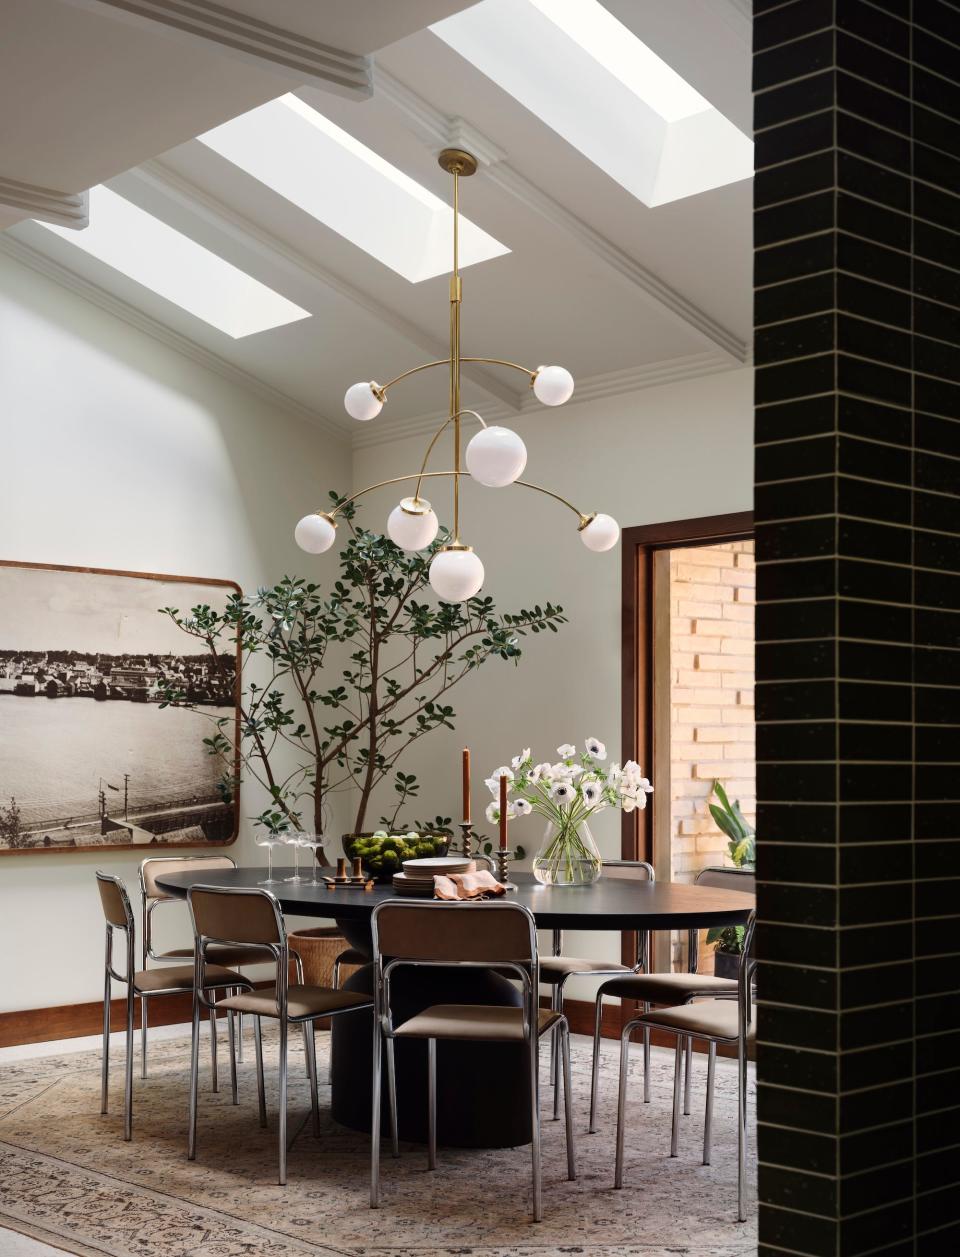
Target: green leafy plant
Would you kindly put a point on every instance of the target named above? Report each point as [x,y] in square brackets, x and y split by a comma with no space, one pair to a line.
[310,723]
[742,849]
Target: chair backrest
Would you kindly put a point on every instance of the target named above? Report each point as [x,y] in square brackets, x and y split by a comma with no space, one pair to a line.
[115,901]
[743,880]
[224,915]
[629,870]
[156,866]
[452,933]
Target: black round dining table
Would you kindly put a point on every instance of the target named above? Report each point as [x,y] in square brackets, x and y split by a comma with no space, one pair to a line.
[466,1117]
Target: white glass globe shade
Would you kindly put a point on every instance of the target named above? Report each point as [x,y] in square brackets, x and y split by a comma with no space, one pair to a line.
[456,575]
[553,385]
[361,402]
[412,529]
[602,533]
[315,534]
[496,457]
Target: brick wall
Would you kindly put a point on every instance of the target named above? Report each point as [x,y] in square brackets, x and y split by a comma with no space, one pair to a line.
[712,676]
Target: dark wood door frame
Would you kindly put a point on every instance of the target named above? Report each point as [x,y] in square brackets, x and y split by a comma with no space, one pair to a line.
[639,547]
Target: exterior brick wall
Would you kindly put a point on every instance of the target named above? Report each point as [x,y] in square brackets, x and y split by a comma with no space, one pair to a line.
[712,590]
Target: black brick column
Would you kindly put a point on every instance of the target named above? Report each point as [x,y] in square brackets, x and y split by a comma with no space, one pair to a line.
[857,311]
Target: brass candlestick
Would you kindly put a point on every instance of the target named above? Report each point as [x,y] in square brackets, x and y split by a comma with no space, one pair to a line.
[503,858]
[466,845]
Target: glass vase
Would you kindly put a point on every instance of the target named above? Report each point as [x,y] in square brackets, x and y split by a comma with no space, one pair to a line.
[568,855]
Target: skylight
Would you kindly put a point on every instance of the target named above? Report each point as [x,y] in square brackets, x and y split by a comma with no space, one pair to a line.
[590,79]
[177,268]
[325,171]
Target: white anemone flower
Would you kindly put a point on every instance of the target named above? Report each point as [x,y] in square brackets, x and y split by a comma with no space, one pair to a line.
[493,813]
[521,758]
[523,807]
[595,748]
[592,792]
[566,751]
[544,771]
[533,773]
[563,791]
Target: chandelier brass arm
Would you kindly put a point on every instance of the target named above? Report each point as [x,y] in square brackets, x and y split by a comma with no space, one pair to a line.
[380,390]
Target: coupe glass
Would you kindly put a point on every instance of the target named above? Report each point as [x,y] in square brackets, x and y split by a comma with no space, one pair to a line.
[312,842]
[292,839]
[269,841]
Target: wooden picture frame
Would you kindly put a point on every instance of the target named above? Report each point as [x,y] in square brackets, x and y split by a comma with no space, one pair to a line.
[124,772]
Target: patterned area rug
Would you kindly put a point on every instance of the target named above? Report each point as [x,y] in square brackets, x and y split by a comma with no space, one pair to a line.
[67,1177]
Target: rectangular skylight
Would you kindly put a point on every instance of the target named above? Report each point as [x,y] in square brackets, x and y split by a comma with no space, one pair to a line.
[590,79]
[325,171]
[175,267]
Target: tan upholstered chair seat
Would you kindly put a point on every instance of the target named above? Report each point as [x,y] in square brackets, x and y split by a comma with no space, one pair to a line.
[226,954]
[180,978]
[471,1021]
[554,968]
[302,1001]
[669,988]
[713,1019]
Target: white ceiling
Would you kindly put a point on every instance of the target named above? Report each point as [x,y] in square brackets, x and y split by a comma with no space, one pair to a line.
[617,292]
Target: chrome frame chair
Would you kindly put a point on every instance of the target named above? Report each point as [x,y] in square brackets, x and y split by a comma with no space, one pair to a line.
[264,927]
[716,1021]
[461,948]
[670,989]
[176,980]
[554,974]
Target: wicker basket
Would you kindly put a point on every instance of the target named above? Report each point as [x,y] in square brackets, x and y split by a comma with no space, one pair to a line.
[319,948]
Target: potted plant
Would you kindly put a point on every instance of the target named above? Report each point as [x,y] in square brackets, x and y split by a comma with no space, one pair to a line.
[742,850]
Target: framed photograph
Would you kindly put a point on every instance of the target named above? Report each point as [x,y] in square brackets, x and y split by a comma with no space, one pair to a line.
[89,756]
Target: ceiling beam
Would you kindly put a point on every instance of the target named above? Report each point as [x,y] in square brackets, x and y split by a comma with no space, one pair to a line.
[66,209]
[274,47]
[438,131]
[155,174]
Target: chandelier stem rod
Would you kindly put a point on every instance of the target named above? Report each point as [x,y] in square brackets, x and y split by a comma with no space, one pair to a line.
[455,299]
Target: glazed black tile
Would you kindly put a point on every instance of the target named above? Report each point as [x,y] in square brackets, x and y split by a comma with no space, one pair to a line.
[933,1170]
[886,148]
[937,1130]
[876,1231]
[938,436]
[868,22]
[937,1210]
[856,295]
[871,1027]
[784,862]
[789,620]
[935,820]
[875,1067]
[809,740]
[875,822]
[937,245]
[798,822]
[810,1071]
[936,282]
[794,700]
[795,139]
[937,397]
[872,182]
[938,628]
[935,665]
[790,499]
[813,782]
[807,1151]
[890,861]
[937,899]
[936,1015]
[934,511]
[779,262]
[941,20]
[864,1109]
[862,539]
[807,416]
[790,21]
[790,460]
[933,357]
[881,742]
[937,781]
[940,169]
[876,984]
[936,92]
[789,221]
[875,944]
[793,100]
[806,578]
[789,661]
[867,905]
[797,338]
[800,1028]
[936,131]
[939,859]
[931,318]
[875,621]
[937,589]
[796,539]
[874,581]
[870,62]
[858,417]
[871,380]
[935,706]
[872,261]
[791,61]
[874,661]
[803,1233]
[868,500]
[803,1193]
[888,109]
[935,54]
[866,782]
[873,460]
[943,1051]
[940,474]
[865,218]
[798,905]
[859,1192]
[793,179]
[872,340]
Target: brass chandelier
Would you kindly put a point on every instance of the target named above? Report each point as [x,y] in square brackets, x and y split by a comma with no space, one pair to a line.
[495,457]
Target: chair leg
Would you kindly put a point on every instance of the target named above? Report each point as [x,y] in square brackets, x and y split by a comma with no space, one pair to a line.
[261,1089]
[282,1139]
[555,1000]
[298,964]
[431,1104]
[595,1068]
[557,1039]
[535,1128]
[392,1097]
[214,1076]
[128,1074]
[646,1058]
[568,1105]
[105,1063]
[239,1035]
[677,1088]
[143,1036]
[336,987]
[312,1071]
[375,1115]
[232,1042]
[194,1081]
[708,1111]
[688,1077]
[622,1101]
[741,1135]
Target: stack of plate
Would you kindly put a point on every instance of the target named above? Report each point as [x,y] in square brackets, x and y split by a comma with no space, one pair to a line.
[417,876]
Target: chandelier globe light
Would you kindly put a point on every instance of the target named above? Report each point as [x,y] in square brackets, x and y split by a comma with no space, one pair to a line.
[495,457]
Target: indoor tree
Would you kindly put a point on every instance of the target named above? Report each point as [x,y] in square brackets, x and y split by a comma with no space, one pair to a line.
[353,676]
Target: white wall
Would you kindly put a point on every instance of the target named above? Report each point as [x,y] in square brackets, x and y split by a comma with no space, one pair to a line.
[676,452]
[119,452]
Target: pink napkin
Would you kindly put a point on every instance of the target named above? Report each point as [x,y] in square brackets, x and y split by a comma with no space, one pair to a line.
[467,885]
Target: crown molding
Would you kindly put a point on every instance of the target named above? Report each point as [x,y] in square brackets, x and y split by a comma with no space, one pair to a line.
[438,131]
[157,175]
[43,265]
[306,60]
[66,209]
[593,388]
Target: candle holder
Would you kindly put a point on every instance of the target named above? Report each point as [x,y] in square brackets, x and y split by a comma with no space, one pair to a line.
[466,845]
[503,858]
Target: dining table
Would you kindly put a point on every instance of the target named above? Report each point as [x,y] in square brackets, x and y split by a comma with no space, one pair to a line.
[469,1075]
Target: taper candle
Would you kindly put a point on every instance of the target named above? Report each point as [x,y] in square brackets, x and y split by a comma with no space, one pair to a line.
[466,784]
[503,813]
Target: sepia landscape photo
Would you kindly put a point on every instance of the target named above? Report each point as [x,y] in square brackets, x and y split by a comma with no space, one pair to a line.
[89,754]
